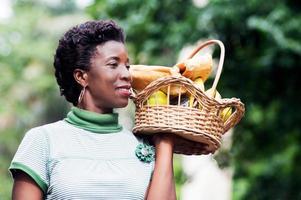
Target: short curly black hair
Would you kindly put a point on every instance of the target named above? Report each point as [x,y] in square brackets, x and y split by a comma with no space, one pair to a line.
[75,50]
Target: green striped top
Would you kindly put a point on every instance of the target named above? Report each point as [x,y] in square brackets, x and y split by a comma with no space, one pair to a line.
[68,162]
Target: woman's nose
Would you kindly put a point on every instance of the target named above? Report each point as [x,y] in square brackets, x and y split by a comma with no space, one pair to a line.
[125,74]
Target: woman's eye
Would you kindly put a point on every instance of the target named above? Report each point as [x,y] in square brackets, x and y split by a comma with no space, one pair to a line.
[113,64]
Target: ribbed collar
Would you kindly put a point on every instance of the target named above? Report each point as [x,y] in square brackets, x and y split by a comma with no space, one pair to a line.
[94,122]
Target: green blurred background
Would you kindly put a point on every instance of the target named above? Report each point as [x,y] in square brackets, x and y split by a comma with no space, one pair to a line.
[262,67]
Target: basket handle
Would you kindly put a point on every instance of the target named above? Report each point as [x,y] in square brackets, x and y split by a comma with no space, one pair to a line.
[221,59]
[133,94]
[238,112]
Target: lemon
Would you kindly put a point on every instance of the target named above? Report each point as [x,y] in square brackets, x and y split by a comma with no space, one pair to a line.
[157,98]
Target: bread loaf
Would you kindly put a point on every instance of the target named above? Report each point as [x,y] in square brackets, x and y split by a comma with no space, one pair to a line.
[193,68]
[142,75]
[196,67]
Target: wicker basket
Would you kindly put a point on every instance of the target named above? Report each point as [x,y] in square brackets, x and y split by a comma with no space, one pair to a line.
[197,130]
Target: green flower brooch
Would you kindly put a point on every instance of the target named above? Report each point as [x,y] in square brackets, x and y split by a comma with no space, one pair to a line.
[145,152]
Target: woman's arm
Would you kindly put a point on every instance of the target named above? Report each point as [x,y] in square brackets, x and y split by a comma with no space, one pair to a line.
[162,185]
[25,188]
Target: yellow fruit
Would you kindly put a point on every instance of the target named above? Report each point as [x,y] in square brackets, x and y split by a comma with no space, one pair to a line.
[199,84]
[226,113]
[157,98]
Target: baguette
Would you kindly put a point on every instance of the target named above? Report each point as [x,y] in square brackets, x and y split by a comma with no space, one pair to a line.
[142,75]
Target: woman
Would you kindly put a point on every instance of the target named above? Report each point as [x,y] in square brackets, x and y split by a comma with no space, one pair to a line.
[88,155]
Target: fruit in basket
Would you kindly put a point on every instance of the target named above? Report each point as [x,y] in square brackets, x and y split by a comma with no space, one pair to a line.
[157,98]
[200,84]
[226,112]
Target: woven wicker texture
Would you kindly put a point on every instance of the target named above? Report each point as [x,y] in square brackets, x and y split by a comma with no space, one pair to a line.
[198,130]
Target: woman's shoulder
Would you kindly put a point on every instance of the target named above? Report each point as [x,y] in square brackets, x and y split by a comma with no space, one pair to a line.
[43,127]
[39,135]
[46,128]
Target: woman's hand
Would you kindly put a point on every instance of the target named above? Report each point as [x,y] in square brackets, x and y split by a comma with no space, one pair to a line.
[162,185]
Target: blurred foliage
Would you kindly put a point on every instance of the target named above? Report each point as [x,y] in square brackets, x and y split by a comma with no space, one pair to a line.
[179,175]
[262,67]
[263,48]
[263,45]
[29,95]
[156,30]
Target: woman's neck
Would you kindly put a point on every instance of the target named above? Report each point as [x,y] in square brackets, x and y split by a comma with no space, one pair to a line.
[88,104]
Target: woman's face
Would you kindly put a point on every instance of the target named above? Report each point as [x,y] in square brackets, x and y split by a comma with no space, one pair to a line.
[109,77]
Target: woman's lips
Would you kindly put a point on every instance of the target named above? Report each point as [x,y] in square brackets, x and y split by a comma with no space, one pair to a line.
[124,90]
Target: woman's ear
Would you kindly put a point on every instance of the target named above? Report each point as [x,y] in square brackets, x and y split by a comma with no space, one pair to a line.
[81,77]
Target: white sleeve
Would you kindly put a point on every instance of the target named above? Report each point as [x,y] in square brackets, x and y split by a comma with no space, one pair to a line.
[32,157]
